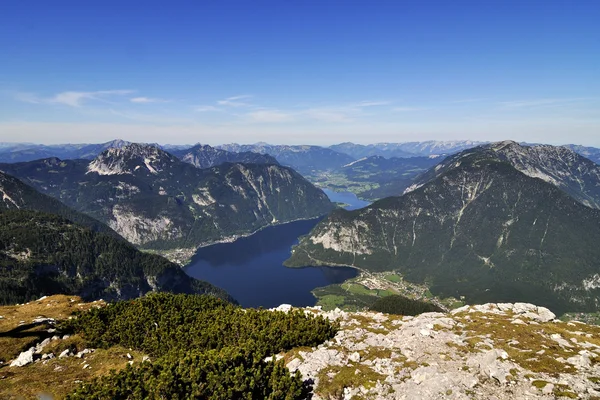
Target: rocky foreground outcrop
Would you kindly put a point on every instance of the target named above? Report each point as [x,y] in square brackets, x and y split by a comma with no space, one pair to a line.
[490,351]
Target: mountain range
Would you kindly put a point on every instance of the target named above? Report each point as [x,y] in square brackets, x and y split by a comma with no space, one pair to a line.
[481,228]
[20,152]
[406,149]
[303,158]
[204,156]
[592,153]
[156,201]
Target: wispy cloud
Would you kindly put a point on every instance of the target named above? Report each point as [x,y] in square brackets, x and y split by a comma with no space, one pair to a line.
[207,108]
[144,100]
[260,114]
[234,101]
[373,103]
[329,114]
[540,102]
[475,100]
[270,116]
[408,109]
[71,98]
[309,114]
[155,118]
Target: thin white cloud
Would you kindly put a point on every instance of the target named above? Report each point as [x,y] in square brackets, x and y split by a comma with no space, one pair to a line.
[207,108]
[309,114]
[234,101]
[72,98]
[373,103]
[408,109]
[340,113]
[270,116]
[539,102]
[467,101]
[27,98]
[159,119]
[328,115]
[144,100]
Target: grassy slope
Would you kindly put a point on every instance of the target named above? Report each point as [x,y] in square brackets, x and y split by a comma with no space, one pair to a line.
[58,376]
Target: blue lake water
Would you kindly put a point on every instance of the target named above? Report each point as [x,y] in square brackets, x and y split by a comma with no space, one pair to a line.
[251,269]
[346,197]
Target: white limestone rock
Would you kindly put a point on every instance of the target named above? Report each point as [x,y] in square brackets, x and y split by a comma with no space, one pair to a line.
[24,358]
[425,360]
[65,353]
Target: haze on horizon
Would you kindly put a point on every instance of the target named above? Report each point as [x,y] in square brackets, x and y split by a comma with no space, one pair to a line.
[310,72]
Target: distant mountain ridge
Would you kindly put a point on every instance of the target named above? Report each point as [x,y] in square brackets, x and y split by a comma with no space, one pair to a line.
[478,228]
[593,153]
[29,152]
[405,149]
[205,156]
[156,201]
[305,159]
[286,154]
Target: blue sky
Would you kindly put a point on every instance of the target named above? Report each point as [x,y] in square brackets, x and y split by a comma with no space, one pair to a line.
[305,71]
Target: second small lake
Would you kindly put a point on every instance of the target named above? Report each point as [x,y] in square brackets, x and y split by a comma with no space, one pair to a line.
[346,198]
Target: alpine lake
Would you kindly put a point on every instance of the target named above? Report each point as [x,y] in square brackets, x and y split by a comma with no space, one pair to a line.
[251,268]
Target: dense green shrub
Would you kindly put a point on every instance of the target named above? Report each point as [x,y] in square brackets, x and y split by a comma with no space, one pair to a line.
[204,348]
[396,304]
[229,373]
[162,323]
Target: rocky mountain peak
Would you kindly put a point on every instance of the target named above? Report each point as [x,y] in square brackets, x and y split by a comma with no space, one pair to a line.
[129,159]
[560,166]
[117,143]
[498,146]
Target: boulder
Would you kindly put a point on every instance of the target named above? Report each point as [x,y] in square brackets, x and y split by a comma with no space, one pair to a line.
[82,353]
[283,307]
[24,358]
[40,346]
[65,353]
[354,357]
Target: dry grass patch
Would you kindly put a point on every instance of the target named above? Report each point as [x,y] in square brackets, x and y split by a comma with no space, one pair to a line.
[374,353]
[522,342]
[333,380]
[295,353]
[60,376]
[16,337]
[369,324]
[75,343]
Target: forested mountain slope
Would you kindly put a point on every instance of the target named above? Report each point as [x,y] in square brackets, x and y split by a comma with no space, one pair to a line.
[17,195]
[43,254]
